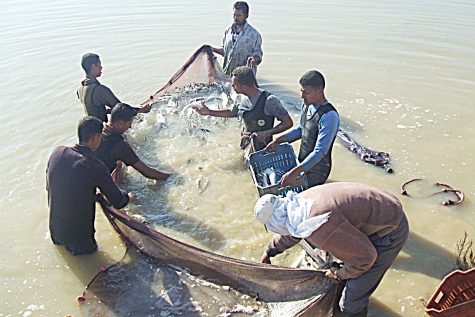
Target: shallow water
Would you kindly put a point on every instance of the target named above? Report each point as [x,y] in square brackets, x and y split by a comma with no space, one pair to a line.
[401,75]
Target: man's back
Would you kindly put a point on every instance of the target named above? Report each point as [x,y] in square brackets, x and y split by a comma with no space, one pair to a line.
[72,177]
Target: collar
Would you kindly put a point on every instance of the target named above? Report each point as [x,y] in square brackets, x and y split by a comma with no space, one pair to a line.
[90,80]
[84,150]
[233,28]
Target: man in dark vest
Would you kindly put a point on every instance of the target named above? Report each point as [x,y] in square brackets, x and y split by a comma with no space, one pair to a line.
[257,110]
[319,123]
[97,99]
[115,148]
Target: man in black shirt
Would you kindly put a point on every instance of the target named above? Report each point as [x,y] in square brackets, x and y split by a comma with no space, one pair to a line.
[72,178]
[115,148]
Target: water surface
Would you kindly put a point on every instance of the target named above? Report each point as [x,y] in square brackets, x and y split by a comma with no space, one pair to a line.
[401,75]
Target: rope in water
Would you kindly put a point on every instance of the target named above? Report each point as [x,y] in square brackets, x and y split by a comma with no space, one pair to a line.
[445,189]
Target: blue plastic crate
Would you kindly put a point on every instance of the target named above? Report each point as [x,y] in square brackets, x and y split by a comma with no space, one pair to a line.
[282,160]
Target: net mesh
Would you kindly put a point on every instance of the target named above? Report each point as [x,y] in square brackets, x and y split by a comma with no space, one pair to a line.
[161,276]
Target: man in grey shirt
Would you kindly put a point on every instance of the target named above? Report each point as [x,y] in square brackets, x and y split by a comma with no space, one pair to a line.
[256,108]
[241,42]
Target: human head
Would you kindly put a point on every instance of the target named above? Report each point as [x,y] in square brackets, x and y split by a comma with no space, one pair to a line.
[240,13]
[265,207]
[313,84]
[243,76]
[90,61]
[122,116]
[90,128]
[312,78]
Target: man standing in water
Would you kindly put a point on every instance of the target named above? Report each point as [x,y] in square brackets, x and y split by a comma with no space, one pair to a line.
[241,42]
[257,114]
[363,226]
[319,123]
[97,99]
[72,178]
[115,148]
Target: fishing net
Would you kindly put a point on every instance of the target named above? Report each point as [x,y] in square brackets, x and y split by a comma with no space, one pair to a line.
[161,276]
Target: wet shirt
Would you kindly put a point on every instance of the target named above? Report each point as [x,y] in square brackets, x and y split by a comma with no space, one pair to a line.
[238,46]
[72,178]
[121,150]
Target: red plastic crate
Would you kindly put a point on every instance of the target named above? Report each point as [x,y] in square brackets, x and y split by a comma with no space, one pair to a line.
[454,297]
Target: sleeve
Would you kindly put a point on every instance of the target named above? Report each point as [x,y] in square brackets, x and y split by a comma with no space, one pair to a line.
[275,108]
[296,133]
[124,152]
[104,96]
[329,124]
[235,110]
[117,197]
[280,243]
[257,49]
[351,246]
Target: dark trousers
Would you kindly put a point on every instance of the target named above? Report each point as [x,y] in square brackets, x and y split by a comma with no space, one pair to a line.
[355,297]
[78,249]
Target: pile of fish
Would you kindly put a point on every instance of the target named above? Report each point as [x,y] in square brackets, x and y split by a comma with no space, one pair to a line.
[182,100]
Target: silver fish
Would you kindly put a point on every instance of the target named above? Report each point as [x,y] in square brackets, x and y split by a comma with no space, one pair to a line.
[271,175]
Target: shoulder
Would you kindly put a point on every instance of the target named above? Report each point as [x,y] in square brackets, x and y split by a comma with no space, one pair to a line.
[58,152]
[124,152]
[123,144]
[272,100]
[96,165]
[252,29]
[331,115]
[103,88]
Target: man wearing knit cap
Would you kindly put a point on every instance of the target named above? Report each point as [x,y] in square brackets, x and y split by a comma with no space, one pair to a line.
[363,226]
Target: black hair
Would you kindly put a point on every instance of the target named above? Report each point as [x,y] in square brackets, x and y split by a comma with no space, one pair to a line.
[313,78]
[244,76]
[88,127]
[122,112]
[241,5]
[88,60]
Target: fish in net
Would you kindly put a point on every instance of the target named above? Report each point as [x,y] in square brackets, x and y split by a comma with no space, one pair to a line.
[161,276]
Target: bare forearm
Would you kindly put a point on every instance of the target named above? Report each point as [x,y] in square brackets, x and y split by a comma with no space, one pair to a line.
[284,125]
[155,174]
[222,113]
[149,172]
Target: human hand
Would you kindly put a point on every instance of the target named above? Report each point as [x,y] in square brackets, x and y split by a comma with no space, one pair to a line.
[272,146]
[132,198]
[250,62]
[288,179]
[145,109]
[203,110]
[331,276]
[261,136]
[265,258]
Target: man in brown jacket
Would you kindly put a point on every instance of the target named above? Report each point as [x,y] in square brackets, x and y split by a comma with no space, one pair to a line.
[363,226]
